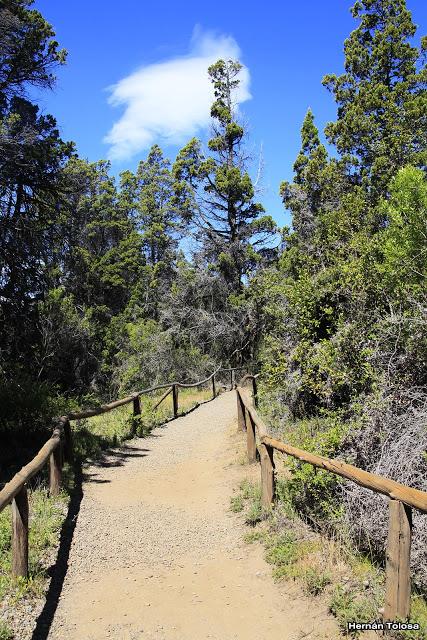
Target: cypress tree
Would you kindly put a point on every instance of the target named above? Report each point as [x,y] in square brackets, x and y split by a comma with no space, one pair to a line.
[305,196]
[216,192]
[381,97]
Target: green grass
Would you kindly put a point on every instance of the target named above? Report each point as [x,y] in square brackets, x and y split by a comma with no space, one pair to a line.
[249,490]
[255,512]
[352,602]
[93,435]
[255,536]
[288,553]
[6,632]
[248,499]
[418,614]
[282,550]
[349,604]
[315,581]
[46,518]
[237,503]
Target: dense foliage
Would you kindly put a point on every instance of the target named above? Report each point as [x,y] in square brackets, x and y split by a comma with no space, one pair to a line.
[111,284]
[345,350]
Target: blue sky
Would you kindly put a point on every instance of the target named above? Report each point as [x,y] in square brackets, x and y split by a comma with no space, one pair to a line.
[121,88]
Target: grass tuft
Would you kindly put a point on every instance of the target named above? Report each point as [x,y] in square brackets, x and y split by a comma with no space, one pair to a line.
[315,581]
[237,503]
[6,632]
[248,500]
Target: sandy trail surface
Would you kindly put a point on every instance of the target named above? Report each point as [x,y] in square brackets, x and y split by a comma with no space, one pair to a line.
[157,554]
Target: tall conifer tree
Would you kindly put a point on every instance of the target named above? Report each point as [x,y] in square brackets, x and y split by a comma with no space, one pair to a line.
[217,192]
[381,97]
[304,196]
[148,195]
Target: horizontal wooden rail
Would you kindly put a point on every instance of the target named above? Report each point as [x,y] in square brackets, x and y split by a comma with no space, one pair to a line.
[402,499]
[12,488]
[248,376]
[105,408]
[247,401]
[185,385]
[96,411]
[164,396]
[58,447]
[379,484]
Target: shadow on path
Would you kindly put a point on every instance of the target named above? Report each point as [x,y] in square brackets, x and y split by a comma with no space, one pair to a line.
[59,570]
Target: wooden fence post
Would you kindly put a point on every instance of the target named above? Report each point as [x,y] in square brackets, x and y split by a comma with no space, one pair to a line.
[255,391]
[398,579]
[20,534]
[267,475]
[175,400]
[250,437]
[55,470]
[136,405]
[231,379]
[240,413]
[213,388]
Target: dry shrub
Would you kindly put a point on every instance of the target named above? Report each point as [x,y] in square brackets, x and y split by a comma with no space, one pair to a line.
[392,442]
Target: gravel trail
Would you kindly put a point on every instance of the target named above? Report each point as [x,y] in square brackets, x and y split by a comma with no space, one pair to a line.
[156,553]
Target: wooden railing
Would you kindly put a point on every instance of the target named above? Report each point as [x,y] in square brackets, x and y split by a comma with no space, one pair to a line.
[59,447]
[402,498]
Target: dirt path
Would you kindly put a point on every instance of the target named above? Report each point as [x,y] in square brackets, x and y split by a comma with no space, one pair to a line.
[157,554]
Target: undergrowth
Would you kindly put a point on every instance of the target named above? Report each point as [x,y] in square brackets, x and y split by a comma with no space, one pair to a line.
[46,519]
[322,563]
[249,500]
[6,632]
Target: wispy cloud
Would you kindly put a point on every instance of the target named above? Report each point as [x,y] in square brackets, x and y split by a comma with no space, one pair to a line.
[169,102]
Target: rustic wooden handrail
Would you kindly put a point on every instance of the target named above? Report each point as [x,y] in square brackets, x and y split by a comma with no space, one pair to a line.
[402,499]
[58,447]
[379,484]
[164,396]
[185,385]
[12,488]
[96,411]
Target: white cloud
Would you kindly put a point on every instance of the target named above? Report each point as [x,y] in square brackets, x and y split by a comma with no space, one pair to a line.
[169,102]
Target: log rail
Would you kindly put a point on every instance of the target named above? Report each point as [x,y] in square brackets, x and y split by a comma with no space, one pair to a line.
[59,448]
[401,497]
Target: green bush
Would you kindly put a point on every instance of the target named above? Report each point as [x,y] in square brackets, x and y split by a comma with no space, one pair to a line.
[310,490]
[6,632]
[283,550]
[348,606]
[315,581]
[27,405]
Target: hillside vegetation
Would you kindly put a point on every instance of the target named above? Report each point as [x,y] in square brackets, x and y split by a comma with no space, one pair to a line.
[98,296]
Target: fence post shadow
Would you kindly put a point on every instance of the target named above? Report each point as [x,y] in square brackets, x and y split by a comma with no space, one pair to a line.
[59,569]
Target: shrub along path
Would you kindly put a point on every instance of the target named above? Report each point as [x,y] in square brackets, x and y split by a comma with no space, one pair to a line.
[156,553]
